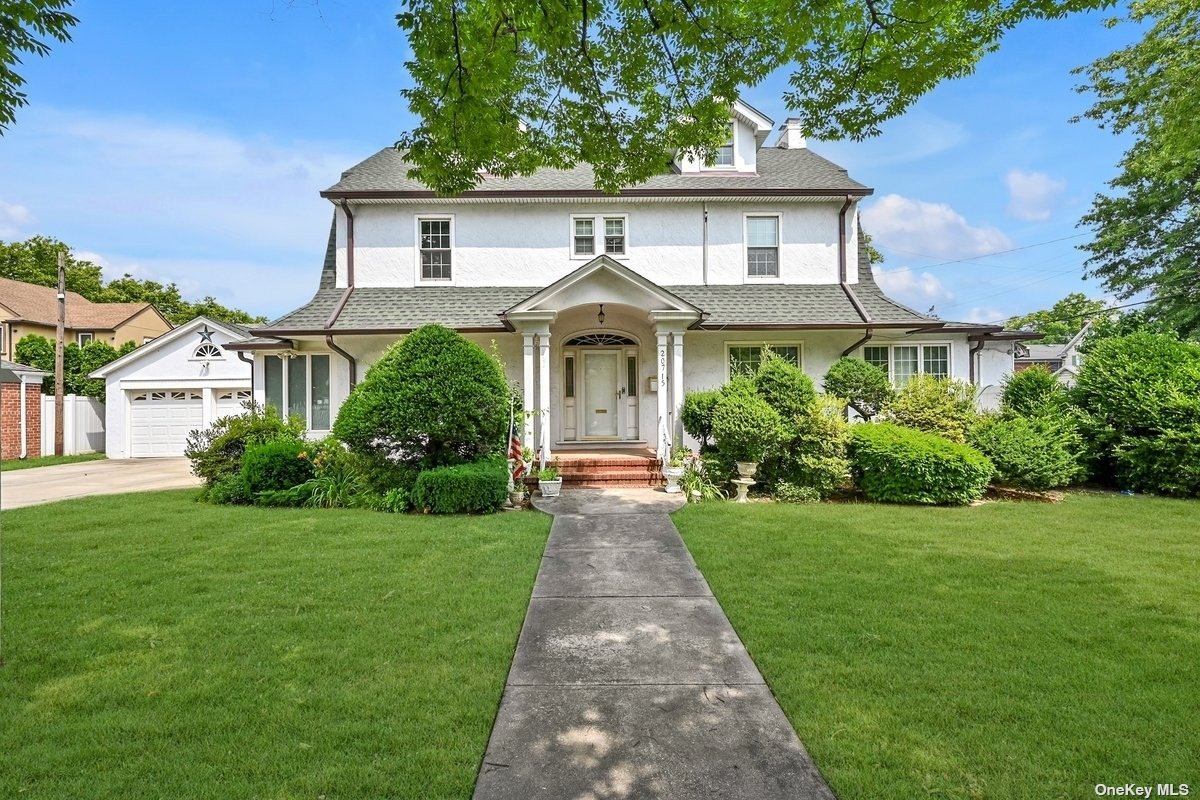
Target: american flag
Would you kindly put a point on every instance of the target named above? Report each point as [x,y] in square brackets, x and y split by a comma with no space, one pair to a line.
[514,452]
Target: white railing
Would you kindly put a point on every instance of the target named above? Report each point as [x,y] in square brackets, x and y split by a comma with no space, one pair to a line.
[83,425]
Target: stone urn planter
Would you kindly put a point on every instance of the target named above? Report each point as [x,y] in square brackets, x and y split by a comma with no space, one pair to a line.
[746,469]
[549,482]
[672,475]
[516,497]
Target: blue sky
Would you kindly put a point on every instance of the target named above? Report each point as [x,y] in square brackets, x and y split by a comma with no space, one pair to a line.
[188,141]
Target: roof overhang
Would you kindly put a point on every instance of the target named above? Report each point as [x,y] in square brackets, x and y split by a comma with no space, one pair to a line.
[700,193]
[750,115]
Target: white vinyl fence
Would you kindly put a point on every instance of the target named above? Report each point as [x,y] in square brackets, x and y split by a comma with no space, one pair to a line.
[83,425]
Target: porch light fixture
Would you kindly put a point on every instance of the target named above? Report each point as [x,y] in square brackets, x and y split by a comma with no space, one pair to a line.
[600,316]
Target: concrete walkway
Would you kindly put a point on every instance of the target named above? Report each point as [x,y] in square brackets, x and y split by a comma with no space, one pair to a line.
[628,680]
[31,487]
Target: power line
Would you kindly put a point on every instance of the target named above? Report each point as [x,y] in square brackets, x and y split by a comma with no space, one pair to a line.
[1010,289]
[982,255]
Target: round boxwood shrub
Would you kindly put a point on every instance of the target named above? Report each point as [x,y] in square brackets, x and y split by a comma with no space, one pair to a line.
[894,464]
[865,387]
[935,405]
[697,414]
[434,399]
[1033,391]
[277,465]
[783,385]
[463,488]
[1042,452]
[745,425]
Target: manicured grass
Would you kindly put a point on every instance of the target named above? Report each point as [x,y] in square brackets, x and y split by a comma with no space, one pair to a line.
[47,461]
[155,647]
[1004,651]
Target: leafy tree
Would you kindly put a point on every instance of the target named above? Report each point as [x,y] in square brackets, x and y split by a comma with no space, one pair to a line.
[35,260]
[78,362]
[865,387]
[510,87]
[873,254]
[1147,228]
[24,27]
[1059,323]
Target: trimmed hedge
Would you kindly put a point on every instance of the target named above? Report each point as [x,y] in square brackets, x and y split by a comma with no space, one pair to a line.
[462,489]
[893,464]
[281,464]
[783,385]
[1031,452]
[745,425]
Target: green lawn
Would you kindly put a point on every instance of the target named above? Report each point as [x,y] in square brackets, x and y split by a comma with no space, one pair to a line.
[47,461]
[155,647]
[1003,651]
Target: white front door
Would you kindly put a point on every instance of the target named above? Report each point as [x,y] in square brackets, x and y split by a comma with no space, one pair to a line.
[601,410]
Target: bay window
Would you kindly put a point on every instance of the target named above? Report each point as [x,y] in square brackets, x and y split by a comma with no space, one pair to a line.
[298,386]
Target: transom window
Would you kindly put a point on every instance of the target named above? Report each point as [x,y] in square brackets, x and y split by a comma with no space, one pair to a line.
[902,361]
[744,359]
[762,247]
[600,340]
[208,352]
[436,249]
[299,387]
[591,236]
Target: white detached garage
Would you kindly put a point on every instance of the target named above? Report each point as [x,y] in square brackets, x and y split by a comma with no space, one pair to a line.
[183,380]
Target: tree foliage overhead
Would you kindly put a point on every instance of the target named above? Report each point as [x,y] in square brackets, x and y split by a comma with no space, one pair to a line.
[1147,228]
[25,27]
[510,87]
[35,260]
[1059,323]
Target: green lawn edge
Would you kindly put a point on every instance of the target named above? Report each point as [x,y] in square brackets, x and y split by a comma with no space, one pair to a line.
[48,461]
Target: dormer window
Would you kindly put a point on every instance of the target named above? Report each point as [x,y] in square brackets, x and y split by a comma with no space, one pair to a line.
[724,156]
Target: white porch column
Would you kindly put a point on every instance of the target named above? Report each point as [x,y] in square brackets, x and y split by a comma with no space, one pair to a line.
[676,386]
[544,392]
[527,388]
[663,435]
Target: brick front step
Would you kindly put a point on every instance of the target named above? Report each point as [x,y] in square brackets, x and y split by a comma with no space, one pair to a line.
[576,464]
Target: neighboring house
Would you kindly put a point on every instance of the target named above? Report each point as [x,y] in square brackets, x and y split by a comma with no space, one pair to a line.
[184,380]
[1064,360]
[20,411]
[605,309]
[27,308]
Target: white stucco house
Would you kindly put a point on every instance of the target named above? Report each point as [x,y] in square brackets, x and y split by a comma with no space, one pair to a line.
[177,383]
[605,308]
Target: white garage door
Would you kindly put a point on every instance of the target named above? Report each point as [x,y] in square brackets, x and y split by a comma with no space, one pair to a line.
[159,422]
[229,402]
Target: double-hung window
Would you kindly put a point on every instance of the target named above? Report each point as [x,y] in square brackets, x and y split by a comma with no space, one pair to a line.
[591,236]
[762,247]
[902,361]
[744,359]
[299,387]
[436,244]
[724,154]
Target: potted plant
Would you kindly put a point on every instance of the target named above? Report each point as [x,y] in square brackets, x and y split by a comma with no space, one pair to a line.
[549,481]
[516,496]
[674,467]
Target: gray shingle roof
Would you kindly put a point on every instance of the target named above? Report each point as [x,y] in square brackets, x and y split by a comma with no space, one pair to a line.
[793,171]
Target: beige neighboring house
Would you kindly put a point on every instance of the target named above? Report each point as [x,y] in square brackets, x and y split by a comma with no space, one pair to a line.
[26,308]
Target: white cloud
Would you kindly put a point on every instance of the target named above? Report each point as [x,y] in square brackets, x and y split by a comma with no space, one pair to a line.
[915,136]
[982,314]
[929,229]
[1032,195]
[910,286]
[13,217]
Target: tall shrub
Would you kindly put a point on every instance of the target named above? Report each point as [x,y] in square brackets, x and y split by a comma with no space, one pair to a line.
[697,415]
[745,425]
[865,387]
[1038,452]
[1032,391]
[434,399]
[783,385]
[1140,397]
[813,455]
[935,405]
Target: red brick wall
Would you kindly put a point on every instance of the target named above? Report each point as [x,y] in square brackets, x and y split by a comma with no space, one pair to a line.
[10,420]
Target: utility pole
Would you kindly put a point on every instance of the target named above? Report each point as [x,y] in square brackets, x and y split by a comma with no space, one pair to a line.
[58,354]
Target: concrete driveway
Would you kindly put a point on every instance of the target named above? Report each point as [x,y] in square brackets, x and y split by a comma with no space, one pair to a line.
[31,487]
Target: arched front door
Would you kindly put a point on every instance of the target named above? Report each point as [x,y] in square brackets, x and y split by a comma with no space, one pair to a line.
[600,387]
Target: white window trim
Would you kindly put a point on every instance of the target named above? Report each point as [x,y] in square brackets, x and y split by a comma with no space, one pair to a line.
[308,404]
[733,138]
[454,265]
[597,237]
[746,276]
[772,343]
[950,373]
[80,334]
